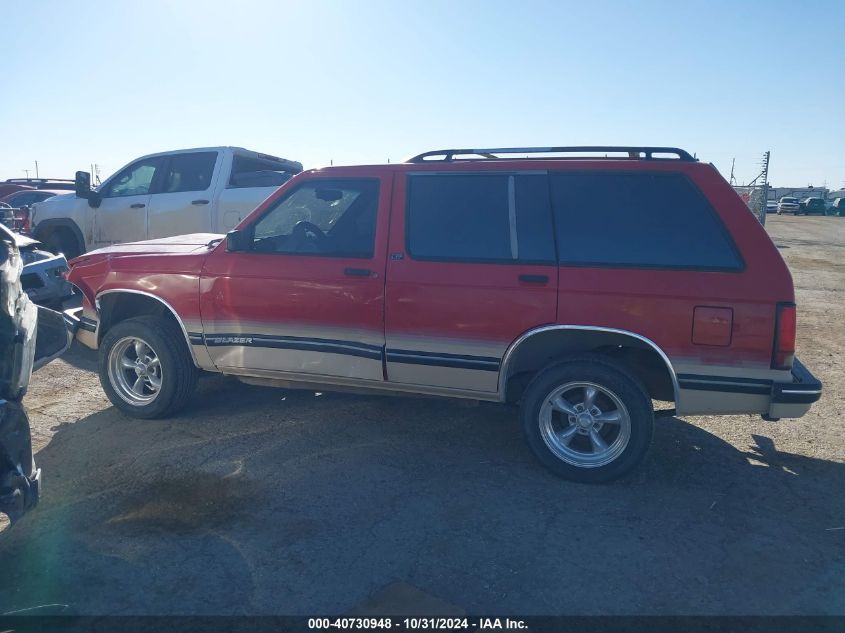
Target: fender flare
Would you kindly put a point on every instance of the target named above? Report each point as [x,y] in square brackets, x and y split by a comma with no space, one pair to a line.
[55,223]
[510,353]
[161,301]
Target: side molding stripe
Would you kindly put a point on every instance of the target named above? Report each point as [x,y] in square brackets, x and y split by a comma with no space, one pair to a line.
[329,346]
[456,361]
[727,384]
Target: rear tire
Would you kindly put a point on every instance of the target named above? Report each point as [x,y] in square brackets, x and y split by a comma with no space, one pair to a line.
[587,419]
[145,367]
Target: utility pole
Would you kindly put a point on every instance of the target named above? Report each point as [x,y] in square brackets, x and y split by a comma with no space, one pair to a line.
[26,171]
[732,179]
[766,157]
[36,169]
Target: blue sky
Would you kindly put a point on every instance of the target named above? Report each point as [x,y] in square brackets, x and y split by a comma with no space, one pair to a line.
[354,82]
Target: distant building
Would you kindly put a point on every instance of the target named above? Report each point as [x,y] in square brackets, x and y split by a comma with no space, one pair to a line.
[776,193]
[833,195]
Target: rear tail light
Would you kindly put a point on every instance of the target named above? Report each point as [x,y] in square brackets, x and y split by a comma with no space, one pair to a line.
[21,221]
[784,349]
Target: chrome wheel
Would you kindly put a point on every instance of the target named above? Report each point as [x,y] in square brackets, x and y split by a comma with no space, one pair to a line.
[134,371]
[585,424]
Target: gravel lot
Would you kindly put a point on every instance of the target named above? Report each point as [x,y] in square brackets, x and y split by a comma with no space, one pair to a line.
[264,501]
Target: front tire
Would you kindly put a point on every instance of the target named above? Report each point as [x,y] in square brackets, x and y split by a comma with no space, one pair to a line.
[588,419]
[145,367]
[62,241]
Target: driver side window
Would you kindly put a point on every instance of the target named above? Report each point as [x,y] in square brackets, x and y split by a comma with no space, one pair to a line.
[135,180]
[322,217]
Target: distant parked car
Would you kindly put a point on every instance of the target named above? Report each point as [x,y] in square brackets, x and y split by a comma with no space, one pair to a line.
[22,201]
[771,206]
[812,205]
[788,204]
[28,197]
[10,185]
[837,207]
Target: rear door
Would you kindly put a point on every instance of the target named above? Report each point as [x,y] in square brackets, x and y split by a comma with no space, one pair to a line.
[308,297]
[471,267]
[183,202]
[122,214]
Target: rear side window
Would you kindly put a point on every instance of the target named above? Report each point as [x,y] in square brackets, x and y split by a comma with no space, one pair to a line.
[259,172]
[501,218]
[189,172]
[638,220]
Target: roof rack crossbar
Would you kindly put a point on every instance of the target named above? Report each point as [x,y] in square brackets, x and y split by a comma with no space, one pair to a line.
[634,152]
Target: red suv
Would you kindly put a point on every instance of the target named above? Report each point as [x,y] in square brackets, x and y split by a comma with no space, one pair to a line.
[581,283]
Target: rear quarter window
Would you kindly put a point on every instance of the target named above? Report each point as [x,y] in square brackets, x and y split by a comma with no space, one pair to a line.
[653,220]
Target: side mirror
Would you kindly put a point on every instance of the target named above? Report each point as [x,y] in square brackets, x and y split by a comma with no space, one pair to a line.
[52,338]
[82,184]
[238,241]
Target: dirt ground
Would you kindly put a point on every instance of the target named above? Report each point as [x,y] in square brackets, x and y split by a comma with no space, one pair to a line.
[263,501]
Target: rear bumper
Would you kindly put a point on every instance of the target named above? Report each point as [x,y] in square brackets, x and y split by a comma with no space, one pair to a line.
[81,327]
[793,399]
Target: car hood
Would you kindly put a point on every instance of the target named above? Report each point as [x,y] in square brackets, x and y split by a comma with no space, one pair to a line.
[176,245]
[24,241]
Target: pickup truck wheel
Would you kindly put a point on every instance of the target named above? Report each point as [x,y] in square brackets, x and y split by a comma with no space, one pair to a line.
[587,420]
[145,368]
[62,241]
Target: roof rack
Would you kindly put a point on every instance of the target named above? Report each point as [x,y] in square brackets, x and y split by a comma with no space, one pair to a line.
[41,180]
[634,153]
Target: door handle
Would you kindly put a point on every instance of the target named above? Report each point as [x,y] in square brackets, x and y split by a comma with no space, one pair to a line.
[534,279]
[356,272]
[199,201]
[137,205]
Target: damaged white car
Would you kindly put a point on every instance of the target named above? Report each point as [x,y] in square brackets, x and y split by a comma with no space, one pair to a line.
[30,336]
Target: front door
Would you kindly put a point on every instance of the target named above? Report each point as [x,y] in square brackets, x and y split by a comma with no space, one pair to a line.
[184,202]
[122,214]
[307,298]
[472,267]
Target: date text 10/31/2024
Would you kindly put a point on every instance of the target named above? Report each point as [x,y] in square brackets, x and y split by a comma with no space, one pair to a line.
[481,624]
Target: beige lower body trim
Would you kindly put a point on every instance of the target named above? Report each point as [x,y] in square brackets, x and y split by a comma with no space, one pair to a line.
[304,381]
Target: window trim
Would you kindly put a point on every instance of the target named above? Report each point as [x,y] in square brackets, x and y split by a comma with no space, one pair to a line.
[720,224]
[474,260]
[294,189]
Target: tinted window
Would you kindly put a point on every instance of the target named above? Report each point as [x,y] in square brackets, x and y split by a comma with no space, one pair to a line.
[135,180]
[260,172]
[646,220]
[492,218]
[23,199]
[189,172]
[321,217]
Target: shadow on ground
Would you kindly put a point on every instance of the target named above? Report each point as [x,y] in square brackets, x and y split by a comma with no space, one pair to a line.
[266,501]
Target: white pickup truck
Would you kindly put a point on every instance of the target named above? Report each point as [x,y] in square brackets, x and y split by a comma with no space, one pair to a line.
[203,190]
